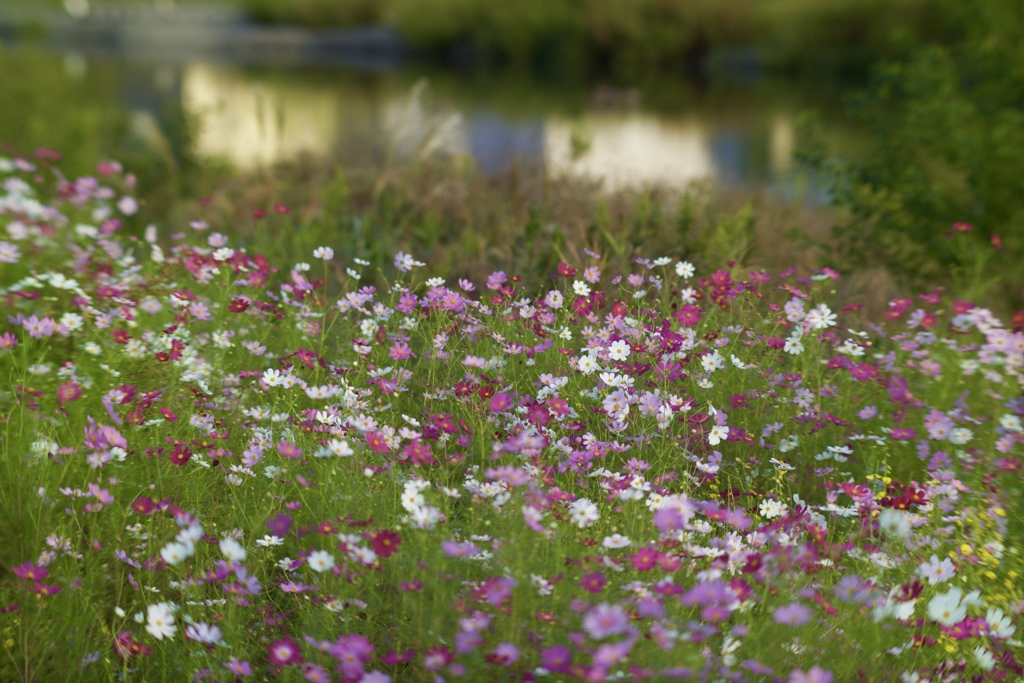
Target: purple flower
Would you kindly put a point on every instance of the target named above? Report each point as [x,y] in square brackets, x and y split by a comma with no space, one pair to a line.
[611,654]
[280,525]
[707,593]
[605,620]
[497,589]
[9,253]
[903,433]
[815,675]
[793,614]
[504,654]
[284,652]
[555,658]
[674,513]
[650,608]
[38,328]
[593,582]
[238,667]
[456,549]
[715,612]
[501,402]
[467,641]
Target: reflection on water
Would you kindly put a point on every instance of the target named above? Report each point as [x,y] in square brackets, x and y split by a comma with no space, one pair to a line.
[252,124]
[739,135]
[254,121]
[632,148]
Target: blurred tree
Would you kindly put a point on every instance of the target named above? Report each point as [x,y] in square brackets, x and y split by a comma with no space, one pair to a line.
[946,124]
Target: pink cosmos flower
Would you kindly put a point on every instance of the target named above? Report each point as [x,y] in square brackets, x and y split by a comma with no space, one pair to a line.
[238,667]
[377,442]
[814,675]
[284,652]
[289,450]
[69,391]
[30,572]
[501,402]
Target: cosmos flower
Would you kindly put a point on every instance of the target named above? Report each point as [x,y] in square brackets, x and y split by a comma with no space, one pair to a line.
[160,620]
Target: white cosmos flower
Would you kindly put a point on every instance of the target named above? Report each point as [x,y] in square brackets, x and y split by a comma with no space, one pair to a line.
[190,534]
[232,550]
[340,448]
[269,540]
[685,270]
[986,660]
[717,433]
[999,625]
[820,317]
[72,321]
[363,555]
[580,288]
[587,365]
[320,561]
[947,608]
[160,620]
[325,253]
[712,361]
[202,632]
[175,553]
[960,436]
[771,509]
[894,523]
[618,350]
[616,541]
[936,572]
[272,377]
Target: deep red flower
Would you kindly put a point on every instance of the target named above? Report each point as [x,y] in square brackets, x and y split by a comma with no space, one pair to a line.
[239,304]
[180,455]
[386,542]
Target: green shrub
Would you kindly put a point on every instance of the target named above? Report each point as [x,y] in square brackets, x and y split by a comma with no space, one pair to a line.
[947,125]
[318,12]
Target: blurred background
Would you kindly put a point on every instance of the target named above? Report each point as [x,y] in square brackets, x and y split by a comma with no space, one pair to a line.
[850,133]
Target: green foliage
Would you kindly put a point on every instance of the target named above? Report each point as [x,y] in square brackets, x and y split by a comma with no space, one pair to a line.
[46,105]
[317,12]
[622,37]
[947,131]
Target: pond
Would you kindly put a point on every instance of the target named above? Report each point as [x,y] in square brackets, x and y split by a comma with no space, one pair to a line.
[738,132]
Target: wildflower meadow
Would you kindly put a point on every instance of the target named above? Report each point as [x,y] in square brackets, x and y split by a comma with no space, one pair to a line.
[218,466]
